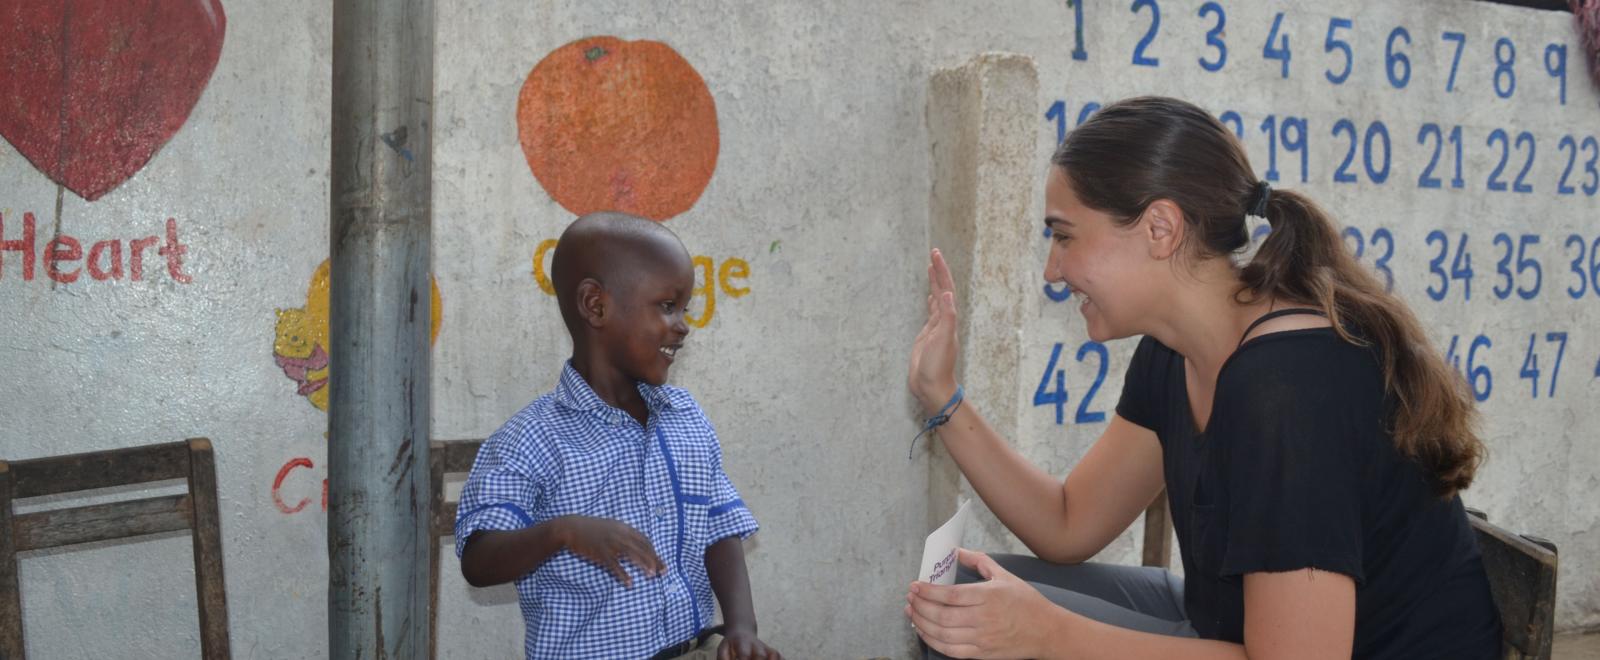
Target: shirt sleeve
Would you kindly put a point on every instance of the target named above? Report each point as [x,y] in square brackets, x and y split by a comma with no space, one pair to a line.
[729,515]
[505,487]
[1143,379]
[1294,451]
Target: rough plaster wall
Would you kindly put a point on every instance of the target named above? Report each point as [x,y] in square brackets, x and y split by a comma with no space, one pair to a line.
[803,376]
[99,364]
[1541,474]
[822,185]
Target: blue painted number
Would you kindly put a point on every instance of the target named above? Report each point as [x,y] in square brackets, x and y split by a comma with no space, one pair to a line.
[1332,43]
[1455,61]
[1045,396]
[1460,267]
[1281,51]
[1086,416]
[1555,63]
[1524,262]
[1530,361]
[1477,375]
[1280,133]
[1058,397]
[1058,114]
[1214,37]
[1078,53]
[1505,76]
[1587,280]
[1139,58]
[1397,61]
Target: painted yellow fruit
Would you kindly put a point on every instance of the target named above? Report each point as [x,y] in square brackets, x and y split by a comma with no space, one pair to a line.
[300,345]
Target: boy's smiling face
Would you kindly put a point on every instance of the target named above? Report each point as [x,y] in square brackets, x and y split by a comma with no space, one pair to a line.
[647,326]
[622,283]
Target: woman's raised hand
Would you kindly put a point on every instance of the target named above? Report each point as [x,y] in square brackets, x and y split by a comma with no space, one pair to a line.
[932,377]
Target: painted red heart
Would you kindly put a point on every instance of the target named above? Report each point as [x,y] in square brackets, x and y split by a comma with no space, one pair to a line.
[90,89]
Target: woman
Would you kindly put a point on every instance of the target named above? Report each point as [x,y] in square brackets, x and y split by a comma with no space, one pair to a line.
[1310,440]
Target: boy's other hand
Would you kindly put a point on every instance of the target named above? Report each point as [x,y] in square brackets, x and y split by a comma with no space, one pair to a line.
[742,644]
[607,542]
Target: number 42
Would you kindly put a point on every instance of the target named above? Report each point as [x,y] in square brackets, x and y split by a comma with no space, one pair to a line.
[1044,396]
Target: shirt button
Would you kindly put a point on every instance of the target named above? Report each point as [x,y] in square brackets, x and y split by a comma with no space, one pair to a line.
[661,512]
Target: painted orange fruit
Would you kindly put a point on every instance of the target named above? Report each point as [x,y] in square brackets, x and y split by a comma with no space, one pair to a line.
[613,125]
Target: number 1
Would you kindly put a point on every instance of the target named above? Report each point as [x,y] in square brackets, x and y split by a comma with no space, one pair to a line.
[1078,53]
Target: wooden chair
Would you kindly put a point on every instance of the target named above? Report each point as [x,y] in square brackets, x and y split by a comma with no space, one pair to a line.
[1522,576]
[195,510]
[456,457]
[1158,533]
[444,457]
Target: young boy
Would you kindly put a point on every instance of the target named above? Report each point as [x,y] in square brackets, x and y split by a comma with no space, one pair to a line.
[605,499]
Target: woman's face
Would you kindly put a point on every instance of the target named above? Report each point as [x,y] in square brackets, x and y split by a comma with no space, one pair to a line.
[1100,261]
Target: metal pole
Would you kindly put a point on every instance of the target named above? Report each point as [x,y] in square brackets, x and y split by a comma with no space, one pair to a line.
[378,414]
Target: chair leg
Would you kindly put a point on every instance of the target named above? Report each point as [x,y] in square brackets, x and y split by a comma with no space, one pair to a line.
[10,592]
[1158,533]
[436,456]
[207,534]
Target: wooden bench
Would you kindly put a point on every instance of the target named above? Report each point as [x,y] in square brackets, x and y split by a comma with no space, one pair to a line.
[1522,575]
[195,510]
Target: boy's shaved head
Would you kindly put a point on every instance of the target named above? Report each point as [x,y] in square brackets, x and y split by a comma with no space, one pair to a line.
[614,249]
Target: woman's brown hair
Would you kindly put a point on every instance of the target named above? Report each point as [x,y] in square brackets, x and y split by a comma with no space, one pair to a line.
[1136,151]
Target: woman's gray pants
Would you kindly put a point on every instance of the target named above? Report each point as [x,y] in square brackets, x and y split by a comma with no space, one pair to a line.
[1144,598]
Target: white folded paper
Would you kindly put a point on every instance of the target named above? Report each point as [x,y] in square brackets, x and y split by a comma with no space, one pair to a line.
[939,552]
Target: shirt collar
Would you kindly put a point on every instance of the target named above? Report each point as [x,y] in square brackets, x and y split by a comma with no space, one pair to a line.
[574,392]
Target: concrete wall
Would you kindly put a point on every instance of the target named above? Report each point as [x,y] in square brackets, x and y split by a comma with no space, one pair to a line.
[842,155]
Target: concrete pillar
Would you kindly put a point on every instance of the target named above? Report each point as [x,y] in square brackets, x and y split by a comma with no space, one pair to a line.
[983,125]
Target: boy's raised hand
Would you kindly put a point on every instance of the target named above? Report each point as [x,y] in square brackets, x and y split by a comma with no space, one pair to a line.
[932,376]
[742,644]
[607,542]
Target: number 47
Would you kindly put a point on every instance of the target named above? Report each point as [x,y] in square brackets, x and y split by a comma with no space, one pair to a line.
[1044,396]
[1530,362]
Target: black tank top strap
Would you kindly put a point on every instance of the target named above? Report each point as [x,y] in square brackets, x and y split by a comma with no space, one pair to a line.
[1275,314]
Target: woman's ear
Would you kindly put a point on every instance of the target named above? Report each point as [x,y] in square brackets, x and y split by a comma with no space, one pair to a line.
[592,302]
[1163,228]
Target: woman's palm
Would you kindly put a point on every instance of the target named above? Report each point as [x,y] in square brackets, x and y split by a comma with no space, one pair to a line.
[933,354]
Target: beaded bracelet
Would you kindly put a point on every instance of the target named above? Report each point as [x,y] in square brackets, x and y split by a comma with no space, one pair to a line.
[940,419]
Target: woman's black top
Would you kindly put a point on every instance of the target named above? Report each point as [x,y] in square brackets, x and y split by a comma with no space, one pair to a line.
[1296,469]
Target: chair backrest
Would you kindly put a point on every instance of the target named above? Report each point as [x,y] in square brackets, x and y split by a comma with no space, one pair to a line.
[444,458]
[1157,533]
[195,510]
[1522,576]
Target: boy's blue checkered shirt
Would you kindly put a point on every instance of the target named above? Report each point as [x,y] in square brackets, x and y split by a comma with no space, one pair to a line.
[570,453]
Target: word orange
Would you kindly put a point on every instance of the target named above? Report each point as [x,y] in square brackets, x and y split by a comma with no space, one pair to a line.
[732,268]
